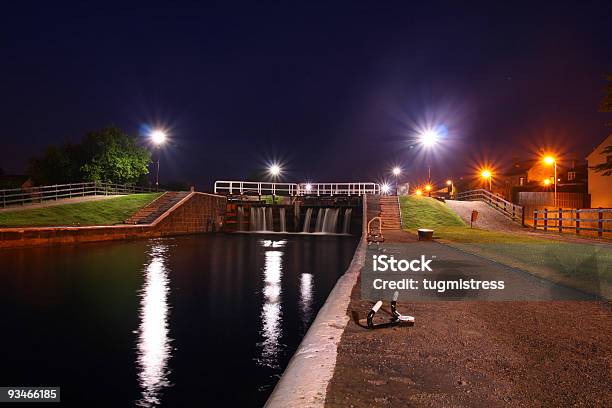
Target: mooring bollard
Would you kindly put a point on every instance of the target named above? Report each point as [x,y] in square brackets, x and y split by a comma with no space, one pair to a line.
[396,317]
[425,234]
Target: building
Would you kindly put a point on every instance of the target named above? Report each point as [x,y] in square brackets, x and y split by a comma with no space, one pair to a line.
[600,186]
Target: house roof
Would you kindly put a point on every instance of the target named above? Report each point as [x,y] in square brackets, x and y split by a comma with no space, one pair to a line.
[606,142]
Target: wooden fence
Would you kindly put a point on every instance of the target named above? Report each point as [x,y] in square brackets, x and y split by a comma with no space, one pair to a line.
[588,221]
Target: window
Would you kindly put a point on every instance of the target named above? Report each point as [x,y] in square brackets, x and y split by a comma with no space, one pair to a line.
[571,175]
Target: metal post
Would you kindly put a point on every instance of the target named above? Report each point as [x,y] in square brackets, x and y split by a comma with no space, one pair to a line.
[560,224]
[535,219]
[555,183]
[546,219]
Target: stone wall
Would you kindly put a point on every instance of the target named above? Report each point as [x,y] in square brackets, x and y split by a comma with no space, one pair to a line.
[196,213]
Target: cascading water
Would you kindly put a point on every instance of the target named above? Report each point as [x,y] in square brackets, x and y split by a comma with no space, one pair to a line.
[307,218]
[240,216]
[319,222]
[283,224]
[327,220]
[259,219]
[346,228]
[268,226]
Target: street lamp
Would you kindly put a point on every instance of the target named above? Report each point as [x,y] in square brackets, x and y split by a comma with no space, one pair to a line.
[429,138]
[428,189]
[396,172]
[486,174]
[419,192]
[274,170]
[550,160]
[385,188]
[158,137]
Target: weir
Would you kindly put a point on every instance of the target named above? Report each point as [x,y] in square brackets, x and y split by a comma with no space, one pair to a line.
[307,216]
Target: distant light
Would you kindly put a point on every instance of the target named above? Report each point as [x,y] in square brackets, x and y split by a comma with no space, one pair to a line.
[429,137]
[158,136]
[274,170]
[486,174]
[449,182]
[547,182]
[397,171]
[428,187]
[419,192]
[549,160]
[308,187]
[385,188]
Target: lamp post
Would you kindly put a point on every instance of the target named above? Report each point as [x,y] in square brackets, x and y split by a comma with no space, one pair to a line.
[428,189]
[396,172]
[429,138]
[486,174]
[551,160]
[158,137]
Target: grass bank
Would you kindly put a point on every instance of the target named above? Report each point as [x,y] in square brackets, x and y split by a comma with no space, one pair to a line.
[103,212]
[584,266]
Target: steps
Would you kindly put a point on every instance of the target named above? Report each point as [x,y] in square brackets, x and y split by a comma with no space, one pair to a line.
[157,207]
[390,213]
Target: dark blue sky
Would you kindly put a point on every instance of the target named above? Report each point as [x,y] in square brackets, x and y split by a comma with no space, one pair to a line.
[334,90]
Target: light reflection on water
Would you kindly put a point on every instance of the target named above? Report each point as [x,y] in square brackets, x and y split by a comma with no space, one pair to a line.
[271,314]
[306,289]
[154,349]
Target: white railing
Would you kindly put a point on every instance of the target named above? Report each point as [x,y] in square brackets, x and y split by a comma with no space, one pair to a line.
[510,210]
[293,189]
[32,195]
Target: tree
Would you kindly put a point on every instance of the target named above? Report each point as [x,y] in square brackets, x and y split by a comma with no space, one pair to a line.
[606,103]
[55,166]
[605,167]
[113,156]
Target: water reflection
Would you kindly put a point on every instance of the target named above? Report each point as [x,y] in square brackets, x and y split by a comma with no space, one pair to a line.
[153,342]
[271,314]
[306,288]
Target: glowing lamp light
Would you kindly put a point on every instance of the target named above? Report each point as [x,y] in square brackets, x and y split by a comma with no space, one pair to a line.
[274,170]
[547,182]
[549,160]
[486,174]
[158,136]
[385,188]
[419,192]
[429,138]
[428,187]
[449,182]
[397,171]
[308,187]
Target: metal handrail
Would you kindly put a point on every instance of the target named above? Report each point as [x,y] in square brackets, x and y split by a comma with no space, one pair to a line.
[295,189]
[509,209]
[39,194]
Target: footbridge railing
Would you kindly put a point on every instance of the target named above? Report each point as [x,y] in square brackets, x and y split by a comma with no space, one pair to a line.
[295,189]
[513,211]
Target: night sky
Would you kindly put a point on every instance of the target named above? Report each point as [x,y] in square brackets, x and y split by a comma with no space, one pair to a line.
[335,91]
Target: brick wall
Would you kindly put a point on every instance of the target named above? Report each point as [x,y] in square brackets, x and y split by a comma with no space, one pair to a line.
[196,213]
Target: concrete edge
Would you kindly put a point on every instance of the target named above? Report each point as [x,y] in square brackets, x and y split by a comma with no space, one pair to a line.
[304,382]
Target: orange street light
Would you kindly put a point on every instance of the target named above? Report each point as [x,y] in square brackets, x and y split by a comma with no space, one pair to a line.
[428,189]
[419,192]
[449,183]
[486,174]
[550,160]
[547,182]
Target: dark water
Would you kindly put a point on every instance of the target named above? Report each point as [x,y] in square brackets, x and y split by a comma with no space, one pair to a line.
[190,321]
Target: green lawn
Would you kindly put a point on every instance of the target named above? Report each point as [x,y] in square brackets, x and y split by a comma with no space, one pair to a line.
[103,212]
[585,266]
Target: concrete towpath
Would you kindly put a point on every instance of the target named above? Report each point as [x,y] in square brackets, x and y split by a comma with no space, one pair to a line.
[476,352]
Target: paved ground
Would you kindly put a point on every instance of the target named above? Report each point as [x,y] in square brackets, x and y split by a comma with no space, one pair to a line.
[58,202]
[477,353]
[491,219]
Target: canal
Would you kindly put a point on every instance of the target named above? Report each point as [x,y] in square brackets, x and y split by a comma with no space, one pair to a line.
[193,320]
